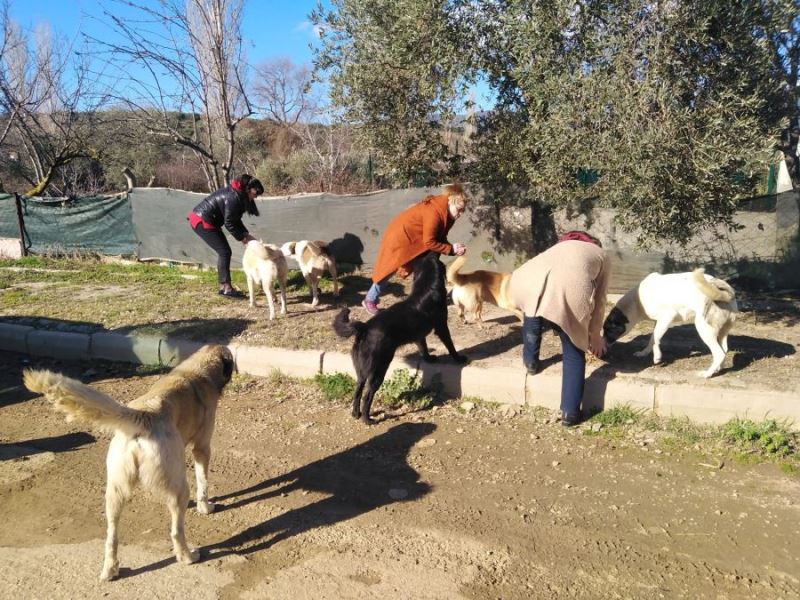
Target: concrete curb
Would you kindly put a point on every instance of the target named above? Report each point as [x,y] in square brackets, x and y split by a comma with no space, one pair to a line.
[704,402]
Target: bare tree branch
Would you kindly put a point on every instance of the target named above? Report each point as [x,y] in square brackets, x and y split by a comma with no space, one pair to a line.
[179,64]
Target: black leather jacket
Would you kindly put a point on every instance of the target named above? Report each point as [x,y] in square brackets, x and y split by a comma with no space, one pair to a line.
[224,207]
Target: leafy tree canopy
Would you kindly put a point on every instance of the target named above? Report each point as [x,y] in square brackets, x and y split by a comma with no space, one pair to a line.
[672,106]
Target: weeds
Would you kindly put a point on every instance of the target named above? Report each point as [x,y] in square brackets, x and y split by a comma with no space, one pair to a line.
[751,441]
[404,388]
[335,387]
[619,415]
[767,437]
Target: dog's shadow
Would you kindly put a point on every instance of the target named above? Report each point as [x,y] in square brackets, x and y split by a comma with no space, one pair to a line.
[494,346]
[59,443]
[682,342]
[679,343]
[355,481]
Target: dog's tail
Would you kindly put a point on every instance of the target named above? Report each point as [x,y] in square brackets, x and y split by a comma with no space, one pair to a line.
[288,248]
[79,401]
[453,275]
[343,326]
[716,290]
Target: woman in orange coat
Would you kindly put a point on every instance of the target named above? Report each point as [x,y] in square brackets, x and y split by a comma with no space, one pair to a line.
[419,229]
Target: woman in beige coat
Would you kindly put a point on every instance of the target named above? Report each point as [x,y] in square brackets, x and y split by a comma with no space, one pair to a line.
[564,286]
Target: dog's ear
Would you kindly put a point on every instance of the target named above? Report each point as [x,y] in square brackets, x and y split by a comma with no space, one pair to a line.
[227,364]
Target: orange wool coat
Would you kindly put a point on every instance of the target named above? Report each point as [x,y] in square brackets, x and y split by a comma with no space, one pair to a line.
[419,228]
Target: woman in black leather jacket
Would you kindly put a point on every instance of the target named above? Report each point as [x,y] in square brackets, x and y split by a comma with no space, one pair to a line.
[226,207]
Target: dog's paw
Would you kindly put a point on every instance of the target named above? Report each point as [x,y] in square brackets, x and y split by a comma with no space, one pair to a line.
[356,414]
[206,508]
[109,572]
[189,557]
[706,374]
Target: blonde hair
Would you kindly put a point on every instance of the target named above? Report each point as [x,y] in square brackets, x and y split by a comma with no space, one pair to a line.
[455,195]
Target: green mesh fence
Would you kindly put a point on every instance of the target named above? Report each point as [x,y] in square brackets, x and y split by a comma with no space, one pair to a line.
[93,223]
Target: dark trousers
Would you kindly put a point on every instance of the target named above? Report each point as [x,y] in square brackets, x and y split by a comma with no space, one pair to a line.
[219,244]
[573,359]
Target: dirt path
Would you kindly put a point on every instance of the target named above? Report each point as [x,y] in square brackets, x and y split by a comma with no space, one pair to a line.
[435,505]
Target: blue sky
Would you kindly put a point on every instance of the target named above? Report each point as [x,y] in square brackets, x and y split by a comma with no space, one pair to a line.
[273,28]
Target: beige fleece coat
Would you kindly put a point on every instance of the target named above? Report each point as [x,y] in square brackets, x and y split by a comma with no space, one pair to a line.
[567,285]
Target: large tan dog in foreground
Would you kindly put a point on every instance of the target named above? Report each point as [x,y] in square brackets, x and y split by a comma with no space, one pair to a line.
[471,290]
[150,434]
[265,263]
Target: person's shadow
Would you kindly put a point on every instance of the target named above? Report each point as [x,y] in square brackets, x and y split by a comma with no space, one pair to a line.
[356,481]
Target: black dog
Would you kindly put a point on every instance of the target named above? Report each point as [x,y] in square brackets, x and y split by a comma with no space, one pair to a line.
[406,322]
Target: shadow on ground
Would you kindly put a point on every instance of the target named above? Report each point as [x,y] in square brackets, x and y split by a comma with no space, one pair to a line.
[220,331]
[59,443]
[358,480]
[354,482]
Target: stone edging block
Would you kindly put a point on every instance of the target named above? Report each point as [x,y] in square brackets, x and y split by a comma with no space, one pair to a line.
[262,360]
[702,402]
[143,350]
[59,344]
[172,351]
[14,338]
[718,405]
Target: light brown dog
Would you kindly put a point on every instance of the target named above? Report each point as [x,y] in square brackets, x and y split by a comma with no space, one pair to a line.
[150,434]
[265,263]
[313,259]
[471,290]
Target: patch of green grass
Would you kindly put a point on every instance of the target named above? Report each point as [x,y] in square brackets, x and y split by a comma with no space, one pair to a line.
[11,298]
[766,437]
[619,415]
[335,387]
[38,269]
[404,388]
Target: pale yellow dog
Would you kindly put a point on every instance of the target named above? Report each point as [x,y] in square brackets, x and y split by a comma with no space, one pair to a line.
[150,434]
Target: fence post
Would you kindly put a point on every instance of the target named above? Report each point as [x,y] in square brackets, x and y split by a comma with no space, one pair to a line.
[20,224]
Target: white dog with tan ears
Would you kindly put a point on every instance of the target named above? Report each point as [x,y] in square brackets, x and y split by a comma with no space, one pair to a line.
[264,263]
[313,259]
[677,298]
[150,434]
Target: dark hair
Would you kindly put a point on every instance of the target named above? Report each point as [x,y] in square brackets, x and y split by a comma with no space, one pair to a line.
[580,236]
[248,182]
[255,184]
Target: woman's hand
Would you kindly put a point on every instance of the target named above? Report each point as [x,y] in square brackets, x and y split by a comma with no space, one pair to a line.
[599,347]
[247,238]
[459,249]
